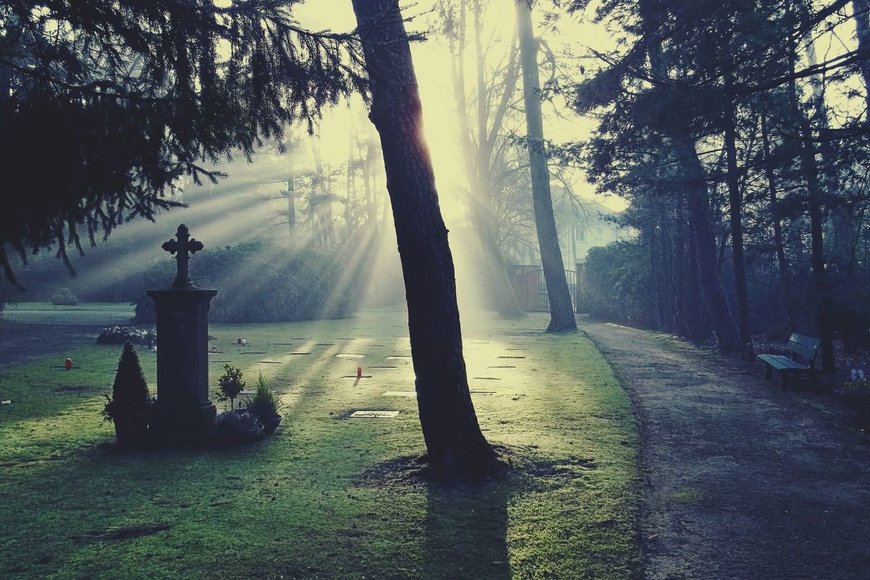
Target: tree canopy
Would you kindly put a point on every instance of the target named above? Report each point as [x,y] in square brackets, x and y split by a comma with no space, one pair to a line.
[107,107]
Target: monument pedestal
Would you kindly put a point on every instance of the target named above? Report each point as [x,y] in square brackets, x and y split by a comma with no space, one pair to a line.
[182,407]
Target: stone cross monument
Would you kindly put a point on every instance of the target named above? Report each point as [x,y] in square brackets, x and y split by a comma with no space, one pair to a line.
[182,245]
[183,409]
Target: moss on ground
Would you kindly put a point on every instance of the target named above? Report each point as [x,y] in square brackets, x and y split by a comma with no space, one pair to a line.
[328,496]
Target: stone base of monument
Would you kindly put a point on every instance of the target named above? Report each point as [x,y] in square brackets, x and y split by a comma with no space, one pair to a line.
[182,422]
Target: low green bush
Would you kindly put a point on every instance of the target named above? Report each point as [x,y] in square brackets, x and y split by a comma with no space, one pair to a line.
[64,297]
[616,283]
[265,405]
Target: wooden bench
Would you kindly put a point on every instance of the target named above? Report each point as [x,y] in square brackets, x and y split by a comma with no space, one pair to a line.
[800,358]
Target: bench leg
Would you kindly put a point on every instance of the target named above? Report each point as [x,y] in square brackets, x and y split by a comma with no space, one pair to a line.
[769,371]
[784,379]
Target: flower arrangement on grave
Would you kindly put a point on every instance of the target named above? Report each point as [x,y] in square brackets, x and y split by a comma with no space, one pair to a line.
[265,405]
[230,384]
[130,403]
[238,427]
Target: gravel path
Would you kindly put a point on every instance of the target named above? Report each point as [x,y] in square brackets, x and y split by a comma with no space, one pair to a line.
[741,480]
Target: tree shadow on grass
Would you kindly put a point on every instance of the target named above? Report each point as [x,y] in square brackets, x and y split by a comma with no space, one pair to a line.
[465,524]
[466,530]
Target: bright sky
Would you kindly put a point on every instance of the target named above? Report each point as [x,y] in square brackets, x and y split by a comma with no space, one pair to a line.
[432,65]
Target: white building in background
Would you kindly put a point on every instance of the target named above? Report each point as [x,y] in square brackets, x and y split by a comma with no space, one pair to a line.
[593,225]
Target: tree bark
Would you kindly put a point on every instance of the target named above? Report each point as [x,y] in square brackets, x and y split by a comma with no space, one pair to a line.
[735,199]
[698,200]
[455,445]
[561,311]
[810,170]
[781,261]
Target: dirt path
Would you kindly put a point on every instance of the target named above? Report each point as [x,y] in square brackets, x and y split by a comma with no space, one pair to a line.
[741,480]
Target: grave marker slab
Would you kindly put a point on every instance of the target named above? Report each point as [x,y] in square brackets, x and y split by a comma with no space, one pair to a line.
[373,414]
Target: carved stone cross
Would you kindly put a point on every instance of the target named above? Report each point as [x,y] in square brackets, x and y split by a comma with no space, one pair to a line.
[183,247]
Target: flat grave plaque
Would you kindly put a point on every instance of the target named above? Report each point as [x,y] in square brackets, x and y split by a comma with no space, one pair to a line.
[373,414]
[486,378]
[383,367]
[502,367]
[503,356]
[395,356]
[400,394]
[349,355]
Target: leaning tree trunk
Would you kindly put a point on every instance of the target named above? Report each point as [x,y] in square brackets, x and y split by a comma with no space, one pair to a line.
[698,202]
[561,312]
[456,447]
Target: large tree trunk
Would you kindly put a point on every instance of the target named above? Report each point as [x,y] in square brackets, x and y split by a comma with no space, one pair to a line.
[561,311]
[810,169]
[812,176]
[698,200]
[456,447]
[781,261]
[735,198]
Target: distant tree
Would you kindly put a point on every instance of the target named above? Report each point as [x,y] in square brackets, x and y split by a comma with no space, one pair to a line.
[122,99]
[455,445]
[561,311]
[482,141]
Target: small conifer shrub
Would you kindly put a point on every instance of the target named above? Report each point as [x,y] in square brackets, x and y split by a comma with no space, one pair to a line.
[265,405]
[130,404]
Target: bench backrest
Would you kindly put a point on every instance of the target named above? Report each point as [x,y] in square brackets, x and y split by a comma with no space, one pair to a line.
[803,347]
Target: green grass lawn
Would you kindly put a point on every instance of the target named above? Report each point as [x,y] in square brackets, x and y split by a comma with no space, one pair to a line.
[328,496]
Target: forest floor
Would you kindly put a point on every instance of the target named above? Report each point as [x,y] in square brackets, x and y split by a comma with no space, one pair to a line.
[740,478]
